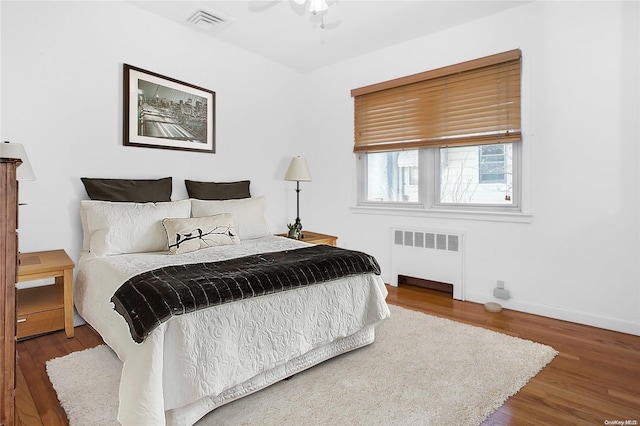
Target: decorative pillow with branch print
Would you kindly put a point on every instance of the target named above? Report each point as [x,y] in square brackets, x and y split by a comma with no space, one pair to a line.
[191,234]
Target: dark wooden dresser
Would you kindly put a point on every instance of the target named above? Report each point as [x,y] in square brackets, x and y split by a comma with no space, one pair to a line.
[9,262]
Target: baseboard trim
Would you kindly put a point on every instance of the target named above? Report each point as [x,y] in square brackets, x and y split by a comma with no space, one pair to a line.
[556,312]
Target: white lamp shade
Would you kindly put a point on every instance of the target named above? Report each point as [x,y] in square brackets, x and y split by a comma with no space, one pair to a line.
[298,170]
[16,150]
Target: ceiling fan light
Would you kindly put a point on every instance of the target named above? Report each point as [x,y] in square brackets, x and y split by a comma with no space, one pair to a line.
[318,6]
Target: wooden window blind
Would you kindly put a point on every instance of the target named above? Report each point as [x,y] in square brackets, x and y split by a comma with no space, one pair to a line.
[471,103]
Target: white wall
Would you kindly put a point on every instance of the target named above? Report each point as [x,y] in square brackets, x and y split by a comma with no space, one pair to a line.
[62,99]
[577,259]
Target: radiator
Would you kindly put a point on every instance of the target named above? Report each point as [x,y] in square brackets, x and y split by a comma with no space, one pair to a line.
[435,255]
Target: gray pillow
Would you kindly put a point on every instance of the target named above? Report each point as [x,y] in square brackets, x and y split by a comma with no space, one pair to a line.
[129,190]
[218,190]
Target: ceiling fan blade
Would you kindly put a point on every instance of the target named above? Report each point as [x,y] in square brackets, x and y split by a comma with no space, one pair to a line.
[261,6]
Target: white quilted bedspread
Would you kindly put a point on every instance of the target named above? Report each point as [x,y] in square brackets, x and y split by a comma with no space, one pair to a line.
[203,354]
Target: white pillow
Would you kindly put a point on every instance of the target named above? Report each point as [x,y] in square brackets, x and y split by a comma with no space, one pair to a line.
[195,233]
[117,228]
[248,213]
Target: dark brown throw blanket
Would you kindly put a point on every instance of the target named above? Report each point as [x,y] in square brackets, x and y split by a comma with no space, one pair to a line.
[152,297]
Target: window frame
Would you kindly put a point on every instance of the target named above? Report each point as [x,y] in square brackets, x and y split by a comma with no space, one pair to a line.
[429,187]
[516,189]
[363,189]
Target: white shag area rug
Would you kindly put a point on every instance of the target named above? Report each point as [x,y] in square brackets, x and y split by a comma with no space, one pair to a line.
[421,370]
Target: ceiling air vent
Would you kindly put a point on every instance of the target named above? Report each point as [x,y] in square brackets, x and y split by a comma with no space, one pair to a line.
[208,20]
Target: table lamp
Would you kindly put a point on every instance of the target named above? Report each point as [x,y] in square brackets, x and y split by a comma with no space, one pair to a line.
[16,150]
[298,171]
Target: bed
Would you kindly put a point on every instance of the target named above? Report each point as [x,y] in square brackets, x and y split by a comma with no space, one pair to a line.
[198,360]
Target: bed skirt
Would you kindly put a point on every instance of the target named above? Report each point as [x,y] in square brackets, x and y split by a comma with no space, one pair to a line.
[187,416]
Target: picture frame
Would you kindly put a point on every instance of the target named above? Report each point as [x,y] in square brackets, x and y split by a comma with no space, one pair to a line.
[162,112]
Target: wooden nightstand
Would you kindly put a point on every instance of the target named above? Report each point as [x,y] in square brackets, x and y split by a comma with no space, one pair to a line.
[50,307]
[316,238]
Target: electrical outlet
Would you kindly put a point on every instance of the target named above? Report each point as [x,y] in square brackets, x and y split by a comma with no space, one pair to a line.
[501,293]
[500,284]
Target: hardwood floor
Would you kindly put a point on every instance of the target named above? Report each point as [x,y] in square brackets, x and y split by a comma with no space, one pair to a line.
[32,357]
[594,379]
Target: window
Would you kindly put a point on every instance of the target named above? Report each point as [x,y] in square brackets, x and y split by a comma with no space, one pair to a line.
[392,177]
[444,138]
[476,175]
[491,164]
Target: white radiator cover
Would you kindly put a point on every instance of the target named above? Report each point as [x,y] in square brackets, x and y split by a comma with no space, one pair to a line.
[429,254]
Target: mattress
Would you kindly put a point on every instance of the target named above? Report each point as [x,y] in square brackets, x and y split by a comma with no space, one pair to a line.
[198,361]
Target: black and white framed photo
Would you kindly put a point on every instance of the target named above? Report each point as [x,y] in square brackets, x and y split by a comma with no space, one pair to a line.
[161,112]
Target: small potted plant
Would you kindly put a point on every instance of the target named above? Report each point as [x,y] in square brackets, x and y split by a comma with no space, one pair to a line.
[295,230]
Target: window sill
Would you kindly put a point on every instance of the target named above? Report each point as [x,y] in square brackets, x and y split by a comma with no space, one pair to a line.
[492,216]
